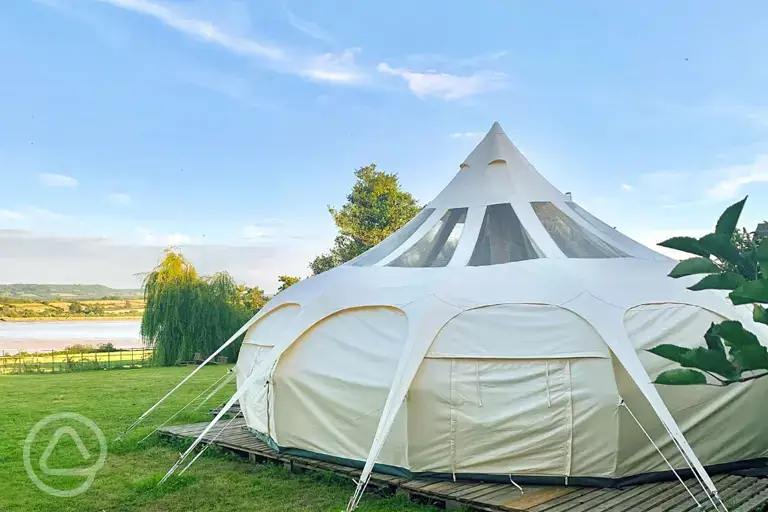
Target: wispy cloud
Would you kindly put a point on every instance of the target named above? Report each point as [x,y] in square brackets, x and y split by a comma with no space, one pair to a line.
[57,180]
[120,198]
[444,85]
[467,135]
[11,215]
[334,68]
[163,240]
[738,176]
[309,28]
[627,187]
[30,214]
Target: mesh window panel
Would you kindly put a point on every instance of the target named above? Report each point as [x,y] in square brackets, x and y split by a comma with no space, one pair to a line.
[572,239]
[502,238]
[392,242]
[601,226]
[436,248]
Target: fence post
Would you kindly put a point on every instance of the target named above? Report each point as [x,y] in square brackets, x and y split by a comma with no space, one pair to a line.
[81,357]
[53,362]
[109,363]
[131,357]
[19,355]
[66,368]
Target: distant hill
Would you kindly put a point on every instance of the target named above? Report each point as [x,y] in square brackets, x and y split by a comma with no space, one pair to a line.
[64,291]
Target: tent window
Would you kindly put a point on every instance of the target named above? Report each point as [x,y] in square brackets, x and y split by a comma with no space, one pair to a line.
[436,248]
[572,239]
[502,238]
[392,242]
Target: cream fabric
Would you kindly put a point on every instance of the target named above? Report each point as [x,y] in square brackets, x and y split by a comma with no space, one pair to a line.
[515,368]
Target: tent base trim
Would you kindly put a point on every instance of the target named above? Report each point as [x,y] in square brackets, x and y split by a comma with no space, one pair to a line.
[522,479]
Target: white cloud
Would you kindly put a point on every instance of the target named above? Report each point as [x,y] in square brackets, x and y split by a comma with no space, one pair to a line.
[120,198]
[329,67]
[627,187]
[163,240]
[11,215]
[467,135]
[334,68]
[446,86]
[737,176]
[309,28]
[57,180]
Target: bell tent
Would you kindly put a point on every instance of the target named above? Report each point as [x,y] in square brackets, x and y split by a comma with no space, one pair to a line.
[501,334]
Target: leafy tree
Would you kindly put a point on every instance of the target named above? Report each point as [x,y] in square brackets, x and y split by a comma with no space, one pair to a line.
[254,298]
[286,281]
[731,260]
[375,208]
[76,307]
[187,313]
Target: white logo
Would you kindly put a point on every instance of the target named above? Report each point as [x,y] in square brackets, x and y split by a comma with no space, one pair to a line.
[68,430]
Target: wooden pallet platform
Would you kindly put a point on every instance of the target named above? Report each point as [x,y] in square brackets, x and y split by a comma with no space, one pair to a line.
[740,493]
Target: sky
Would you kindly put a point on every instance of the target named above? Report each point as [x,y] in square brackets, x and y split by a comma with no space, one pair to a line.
[227,127]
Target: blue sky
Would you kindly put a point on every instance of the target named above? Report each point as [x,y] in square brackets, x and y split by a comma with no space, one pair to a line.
[228,126]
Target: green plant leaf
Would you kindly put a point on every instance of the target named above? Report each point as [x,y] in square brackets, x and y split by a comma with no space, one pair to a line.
[726,225]
[685,244]
[681,377]
[724,281]
[693,266]
[735,335]
[748,293]
[722,248]
[710,361]
[713,340]
[671,352]
[751,358]
[760,314]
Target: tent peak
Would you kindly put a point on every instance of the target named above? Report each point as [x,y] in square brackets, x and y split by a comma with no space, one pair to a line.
[496,128]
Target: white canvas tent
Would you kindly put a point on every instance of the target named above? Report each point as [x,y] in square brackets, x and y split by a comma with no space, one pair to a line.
[498,335]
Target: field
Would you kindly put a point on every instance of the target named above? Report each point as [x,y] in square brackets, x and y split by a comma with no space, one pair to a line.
[60,309]
[42,362]
[113,399]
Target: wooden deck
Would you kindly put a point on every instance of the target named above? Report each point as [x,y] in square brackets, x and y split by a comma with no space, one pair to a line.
[740,493]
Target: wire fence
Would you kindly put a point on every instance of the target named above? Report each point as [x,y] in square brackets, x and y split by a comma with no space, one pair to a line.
[52,361]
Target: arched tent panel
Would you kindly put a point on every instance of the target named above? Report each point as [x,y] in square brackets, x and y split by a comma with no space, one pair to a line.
[330,386]
[724,424]
[257,343]
[518,389]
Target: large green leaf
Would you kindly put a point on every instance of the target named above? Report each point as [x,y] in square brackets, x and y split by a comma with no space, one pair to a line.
[713,340]
[693,266]
[681,377]
[748,293]
[751,358]
[735,335]
[710,361]
[724,281]
[671,352]
[760,314]
[726,225]
[722,247]
[685,244]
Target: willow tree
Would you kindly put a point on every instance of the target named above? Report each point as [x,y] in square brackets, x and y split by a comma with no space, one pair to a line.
[186,313]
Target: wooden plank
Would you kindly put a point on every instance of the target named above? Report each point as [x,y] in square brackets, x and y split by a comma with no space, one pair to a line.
[624,498]
[532,498]
[504,494]
[579,492]
[584,504]
[753,503]
[720,481]
[479,493]
[464,494]
[745,494]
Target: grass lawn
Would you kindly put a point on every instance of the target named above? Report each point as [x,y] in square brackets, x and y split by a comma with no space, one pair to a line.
[113,399]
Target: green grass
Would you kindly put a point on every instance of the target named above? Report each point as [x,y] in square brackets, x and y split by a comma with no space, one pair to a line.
[127,482]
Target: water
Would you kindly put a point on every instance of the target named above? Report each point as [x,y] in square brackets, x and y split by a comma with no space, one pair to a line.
[31,336]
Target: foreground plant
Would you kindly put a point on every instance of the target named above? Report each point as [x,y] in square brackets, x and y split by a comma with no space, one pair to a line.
[730,260]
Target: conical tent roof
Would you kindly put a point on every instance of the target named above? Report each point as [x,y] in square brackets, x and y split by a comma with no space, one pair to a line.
[511,212]
[502,333]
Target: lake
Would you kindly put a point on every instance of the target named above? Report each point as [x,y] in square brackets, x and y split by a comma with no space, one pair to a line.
[33,336]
